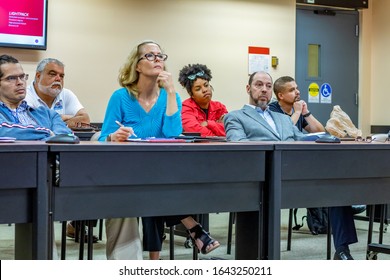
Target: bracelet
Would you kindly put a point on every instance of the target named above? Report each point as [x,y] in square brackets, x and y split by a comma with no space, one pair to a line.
[307,114]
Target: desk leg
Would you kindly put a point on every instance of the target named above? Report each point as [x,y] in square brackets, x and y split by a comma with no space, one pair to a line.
[23,242]
[273,196]
[247,236]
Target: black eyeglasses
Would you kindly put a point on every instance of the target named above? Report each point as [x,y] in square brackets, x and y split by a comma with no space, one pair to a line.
[14,79]
[152,57]
[374,138]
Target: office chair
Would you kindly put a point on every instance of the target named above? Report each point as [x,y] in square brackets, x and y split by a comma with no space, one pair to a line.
[328,235]
[80,229]
[81,236]
[232,220]
[373,249]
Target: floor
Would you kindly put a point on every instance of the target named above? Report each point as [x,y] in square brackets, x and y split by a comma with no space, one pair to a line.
[305,246]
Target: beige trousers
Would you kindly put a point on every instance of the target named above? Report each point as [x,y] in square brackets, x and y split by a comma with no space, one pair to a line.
[123,240]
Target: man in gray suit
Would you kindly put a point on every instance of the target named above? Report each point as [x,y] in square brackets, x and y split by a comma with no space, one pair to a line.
[255,122]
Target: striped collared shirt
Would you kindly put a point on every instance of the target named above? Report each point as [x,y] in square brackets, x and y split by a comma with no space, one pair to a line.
[20,114]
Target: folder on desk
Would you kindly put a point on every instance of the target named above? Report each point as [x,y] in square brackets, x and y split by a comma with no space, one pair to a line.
[7,139]
[202,139]
[157,140]
[179,139]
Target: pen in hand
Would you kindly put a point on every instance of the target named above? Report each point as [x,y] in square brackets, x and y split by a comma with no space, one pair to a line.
[121,125]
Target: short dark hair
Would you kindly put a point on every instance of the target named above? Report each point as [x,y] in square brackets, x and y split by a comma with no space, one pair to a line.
[254,73]
[5,58]
[279,84]
[193,69]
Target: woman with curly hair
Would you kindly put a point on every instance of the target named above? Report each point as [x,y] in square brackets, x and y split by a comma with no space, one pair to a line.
[199,112]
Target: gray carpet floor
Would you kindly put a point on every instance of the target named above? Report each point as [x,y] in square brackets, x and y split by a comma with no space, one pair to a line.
[305,246]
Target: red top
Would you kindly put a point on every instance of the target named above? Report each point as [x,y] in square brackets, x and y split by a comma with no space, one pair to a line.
[192,116]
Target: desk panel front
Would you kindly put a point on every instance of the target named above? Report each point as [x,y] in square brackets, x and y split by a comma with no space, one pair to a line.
[105,180]
[23,196]
[320,175]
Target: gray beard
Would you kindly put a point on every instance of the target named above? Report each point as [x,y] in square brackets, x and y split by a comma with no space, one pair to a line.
[262,104]
[49,91]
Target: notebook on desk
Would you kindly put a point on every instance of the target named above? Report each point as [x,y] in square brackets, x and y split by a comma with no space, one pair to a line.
[7,139]
[157,140]
[179,139]
[202,139]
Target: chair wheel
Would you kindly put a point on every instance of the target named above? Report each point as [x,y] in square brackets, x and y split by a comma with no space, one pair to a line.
[372,256]
[188,243]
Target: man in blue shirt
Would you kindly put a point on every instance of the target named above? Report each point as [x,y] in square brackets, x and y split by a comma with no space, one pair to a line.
[289,103]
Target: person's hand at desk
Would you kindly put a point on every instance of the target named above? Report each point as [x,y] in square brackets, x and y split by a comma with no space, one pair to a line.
[121,135]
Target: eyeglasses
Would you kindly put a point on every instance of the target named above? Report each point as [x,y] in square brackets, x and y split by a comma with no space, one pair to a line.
[374,138]
[14,79]
[152,57]
[368,139]
[84,126]
[193,76]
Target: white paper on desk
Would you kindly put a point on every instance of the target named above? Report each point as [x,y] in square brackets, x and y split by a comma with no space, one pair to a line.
[312,136]
[316,133]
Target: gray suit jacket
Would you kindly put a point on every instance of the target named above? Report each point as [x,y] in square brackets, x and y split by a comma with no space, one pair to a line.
[247,125]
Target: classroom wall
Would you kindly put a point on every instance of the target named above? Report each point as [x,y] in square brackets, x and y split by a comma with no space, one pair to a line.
[94,37]
[365,70]
[380,63]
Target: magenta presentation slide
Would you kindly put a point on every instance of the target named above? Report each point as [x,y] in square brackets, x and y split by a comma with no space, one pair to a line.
[23,17]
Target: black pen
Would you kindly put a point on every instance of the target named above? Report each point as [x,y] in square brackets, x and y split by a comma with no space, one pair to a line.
[121,125]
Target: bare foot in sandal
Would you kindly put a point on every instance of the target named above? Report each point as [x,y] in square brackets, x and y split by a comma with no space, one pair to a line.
[203,240]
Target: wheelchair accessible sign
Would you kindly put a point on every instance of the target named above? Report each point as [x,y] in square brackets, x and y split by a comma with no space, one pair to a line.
[326,93]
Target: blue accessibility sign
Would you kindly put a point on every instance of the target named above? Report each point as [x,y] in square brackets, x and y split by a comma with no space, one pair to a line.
[326,90]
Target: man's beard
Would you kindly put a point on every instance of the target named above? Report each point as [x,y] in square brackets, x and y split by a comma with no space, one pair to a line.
[262,104]
[259,103]
[53,92]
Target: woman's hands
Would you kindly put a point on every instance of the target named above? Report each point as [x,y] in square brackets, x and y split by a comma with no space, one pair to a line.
[122,134]
[165,80]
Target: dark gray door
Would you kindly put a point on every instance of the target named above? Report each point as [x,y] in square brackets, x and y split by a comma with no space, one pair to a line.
[327,61]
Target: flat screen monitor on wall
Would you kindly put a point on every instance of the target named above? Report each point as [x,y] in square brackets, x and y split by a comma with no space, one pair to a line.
[23,24]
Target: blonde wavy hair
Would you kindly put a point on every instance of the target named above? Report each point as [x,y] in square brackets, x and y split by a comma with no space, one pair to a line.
[128,75]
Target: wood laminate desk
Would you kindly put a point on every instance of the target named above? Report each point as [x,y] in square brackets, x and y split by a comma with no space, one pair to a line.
[23,196]
[105,180]
[313,175]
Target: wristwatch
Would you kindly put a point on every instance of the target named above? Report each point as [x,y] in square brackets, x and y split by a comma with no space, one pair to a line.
[307,114]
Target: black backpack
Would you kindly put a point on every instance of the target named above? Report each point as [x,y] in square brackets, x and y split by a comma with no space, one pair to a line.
[317,220]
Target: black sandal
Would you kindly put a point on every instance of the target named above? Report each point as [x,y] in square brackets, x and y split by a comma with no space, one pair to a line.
[205,238]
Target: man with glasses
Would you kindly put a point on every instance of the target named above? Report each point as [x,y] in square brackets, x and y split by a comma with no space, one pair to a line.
[48,90]
[255,122]
[17,119]
[146,105]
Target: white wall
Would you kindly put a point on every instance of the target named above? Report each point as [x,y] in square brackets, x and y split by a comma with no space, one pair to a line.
[94,37]
[380,59]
